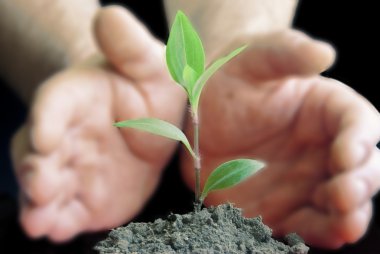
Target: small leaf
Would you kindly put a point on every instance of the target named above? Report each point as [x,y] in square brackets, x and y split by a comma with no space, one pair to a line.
[158,127]
[184,47]
[189,77]
[229,174]
[199,85]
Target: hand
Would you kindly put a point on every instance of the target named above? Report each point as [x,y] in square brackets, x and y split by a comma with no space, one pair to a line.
[76,171]
[316,135]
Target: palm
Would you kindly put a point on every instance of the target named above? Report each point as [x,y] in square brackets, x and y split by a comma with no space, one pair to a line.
[93,160]
[291,119]
[79,173]
[294,144]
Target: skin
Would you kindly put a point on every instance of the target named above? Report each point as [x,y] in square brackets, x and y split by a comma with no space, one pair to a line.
[39,38]
[316,135]
[212,18]
[85,175]
[77,172]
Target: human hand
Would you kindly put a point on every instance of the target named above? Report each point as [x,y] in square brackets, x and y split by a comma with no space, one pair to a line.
[76,171]
[317,136]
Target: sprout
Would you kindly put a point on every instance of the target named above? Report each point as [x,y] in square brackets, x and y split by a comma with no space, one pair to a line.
[185,59]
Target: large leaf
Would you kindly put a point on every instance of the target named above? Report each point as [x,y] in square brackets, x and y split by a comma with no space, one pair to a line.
[158,127]
[184,47]
[201,82]
[229,174]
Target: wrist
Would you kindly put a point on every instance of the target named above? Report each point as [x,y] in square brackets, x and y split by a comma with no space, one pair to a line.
[223,26]
[41,37]
[77,37]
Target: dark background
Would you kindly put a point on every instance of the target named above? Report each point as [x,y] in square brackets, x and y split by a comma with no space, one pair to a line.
[348,25]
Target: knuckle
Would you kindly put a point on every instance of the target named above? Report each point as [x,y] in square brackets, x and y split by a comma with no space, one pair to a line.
[341,197]
[351,227]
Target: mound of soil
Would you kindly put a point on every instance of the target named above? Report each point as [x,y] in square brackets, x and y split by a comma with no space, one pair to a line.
[220,229]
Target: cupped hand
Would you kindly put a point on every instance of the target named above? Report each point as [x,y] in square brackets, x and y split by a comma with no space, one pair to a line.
[76,171]
[317,136]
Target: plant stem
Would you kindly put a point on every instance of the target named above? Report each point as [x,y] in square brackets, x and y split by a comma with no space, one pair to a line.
[197,161]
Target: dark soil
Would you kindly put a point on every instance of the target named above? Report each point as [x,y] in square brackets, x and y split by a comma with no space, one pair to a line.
[220,229]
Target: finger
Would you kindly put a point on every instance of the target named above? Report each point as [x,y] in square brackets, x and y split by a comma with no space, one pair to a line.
[286,53]
[280,197]
[50,116]
[20,146]
[291,190]
[354,123]
[327,230]
[59,220]
[39,179]
[59,105]
[40,186]
[37,220]
[127,43]
[350,190]
[72,219]
[42,178]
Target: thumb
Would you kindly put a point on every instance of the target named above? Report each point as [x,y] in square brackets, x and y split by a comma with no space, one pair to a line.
[286,52]
[50,115]
[127,43]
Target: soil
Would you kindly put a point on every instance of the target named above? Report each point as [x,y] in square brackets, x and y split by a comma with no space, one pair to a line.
[220,229]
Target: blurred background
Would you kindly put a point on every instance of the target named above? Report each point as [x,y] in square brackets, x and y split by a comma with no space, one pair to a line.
[350,26]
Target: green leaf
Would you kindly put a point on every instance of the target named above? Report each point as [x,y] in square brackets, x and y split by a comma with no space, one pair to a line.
[199,85]
[158,127]
[229,174]
[184,47]
[189,76]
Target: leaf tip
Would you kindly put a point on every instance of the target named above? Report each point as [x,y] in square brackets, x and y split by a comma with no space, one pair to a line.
[180,14]
[261,164]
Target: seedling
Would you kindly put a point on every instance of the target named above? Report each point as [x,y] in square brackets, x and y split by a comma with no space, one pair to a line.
[185,59]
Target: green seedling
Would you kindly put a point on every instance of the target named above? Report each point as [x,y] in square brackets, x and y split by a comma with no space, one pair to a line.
[185,60]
